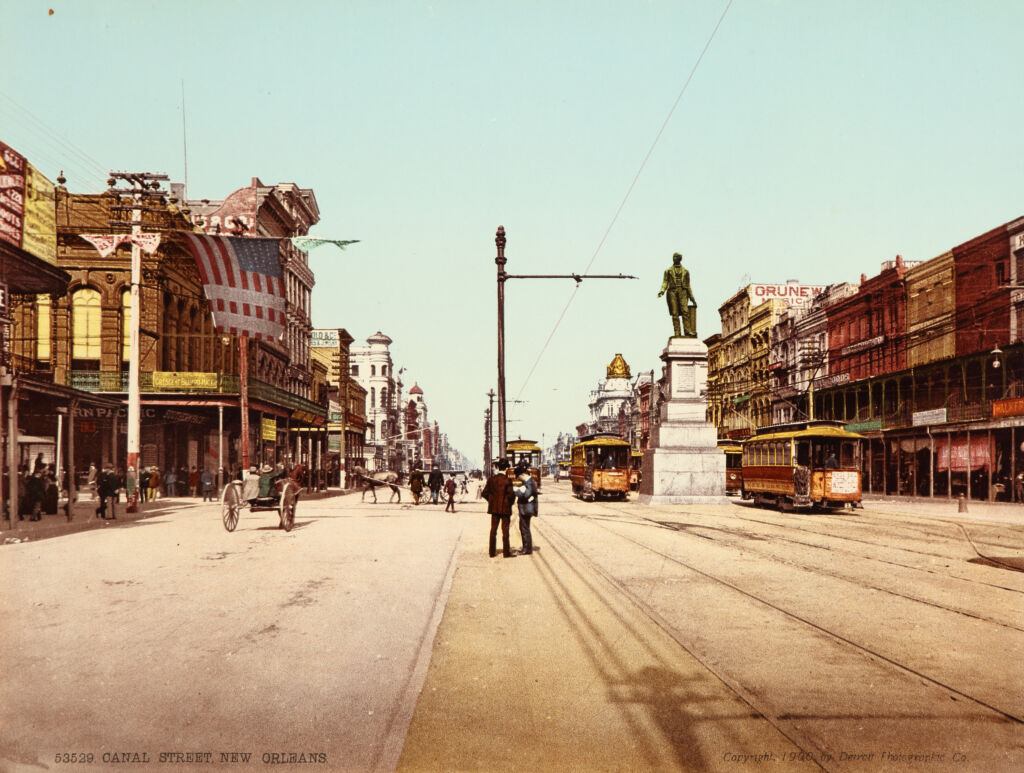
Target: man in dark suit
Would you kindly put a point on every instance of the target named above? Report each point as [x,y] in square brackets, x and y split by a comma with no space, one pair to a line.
[498,493]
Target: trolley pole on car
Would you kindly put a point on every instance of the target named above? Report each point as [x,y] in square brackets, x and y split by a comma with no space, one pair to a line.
[500,260]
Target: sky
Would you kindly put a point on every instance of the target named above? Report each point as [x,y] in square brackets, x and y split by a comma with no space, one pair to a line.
[765,140]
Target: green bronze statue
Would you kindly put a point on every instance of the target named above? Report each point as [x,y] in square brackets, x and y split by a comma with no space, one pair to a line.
[681,303]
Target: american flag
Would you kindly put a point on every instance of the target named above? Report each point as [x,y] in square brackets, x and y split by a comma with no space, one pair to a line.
[243,282]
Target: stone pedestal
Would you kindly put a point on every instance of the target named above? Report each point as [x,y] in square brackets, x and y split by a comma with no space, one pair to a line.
[683,464]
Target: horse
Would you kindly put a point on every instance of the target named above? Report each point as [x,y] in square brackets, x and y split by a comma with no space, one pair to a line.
[367,482]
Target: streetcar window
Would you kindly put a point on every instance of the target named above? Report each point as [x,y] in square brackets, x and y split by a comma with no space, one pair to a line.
[787,452]
[848,454]
[803,454]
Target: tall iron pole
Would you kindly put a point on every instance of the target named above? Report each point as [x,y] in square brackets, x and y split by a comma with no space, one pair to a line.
[144,185]
[499,240]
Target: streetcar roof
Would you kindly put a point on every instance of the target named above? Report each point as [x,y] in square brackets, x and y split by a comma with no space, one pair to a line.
[810,432]
[522,445]
[603,441]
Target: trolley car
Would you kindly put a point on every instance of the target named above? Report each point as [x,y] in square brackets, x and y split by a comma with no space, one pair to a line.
[524,452]
[635,461]
[600,467]
[803,465]
[733,466]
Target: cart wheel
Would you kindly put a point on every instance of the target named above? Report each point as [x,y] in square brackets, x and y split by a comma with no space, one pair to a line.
[289,497]
[231,504]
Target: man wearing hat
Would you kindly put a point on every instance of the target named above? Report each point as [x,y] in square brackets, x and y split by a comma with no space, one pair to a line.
[499,496]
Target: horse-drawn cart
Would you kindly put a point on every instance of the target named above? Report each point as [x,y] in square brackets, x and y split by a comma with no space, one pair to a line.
[282,496]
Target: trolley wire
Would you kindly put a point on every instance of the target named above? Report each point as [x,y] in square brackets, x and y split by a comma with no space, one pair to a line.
[626,197]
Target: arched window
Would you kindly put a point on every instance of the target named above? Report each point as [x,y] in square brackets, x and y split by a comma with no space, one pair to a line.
[86,321]
[126,328]
[383,397]
[373,397]
[373,370]
[43,329]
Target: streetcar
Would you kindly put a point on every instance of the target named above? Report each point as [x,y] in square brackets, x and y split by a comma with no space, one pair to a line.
[635,462]
[733,451]
[803,465]
[526,452]
[600,467]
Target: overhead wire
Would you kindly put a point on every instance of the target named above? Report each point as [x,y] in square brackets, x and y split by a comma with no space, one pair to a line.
[626,197]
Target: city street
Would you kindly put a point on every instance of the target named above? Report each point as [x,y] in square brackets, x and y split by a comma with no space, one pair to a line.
[376,637]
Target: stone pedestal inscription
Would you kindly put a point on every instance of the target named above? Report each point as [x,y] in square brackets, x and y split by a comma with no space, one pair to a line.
[684,464]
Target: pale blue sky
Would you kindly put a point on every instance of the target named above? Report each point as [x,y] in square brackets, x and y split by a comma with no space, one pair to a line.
[816,140]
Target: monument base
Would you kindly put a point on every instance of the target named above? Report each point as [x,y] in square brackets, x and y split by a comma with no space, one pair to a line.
[684,464]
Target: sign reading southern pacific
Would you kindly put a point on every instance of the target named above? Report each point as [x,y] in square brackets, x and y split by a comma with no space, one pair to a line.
[792,294]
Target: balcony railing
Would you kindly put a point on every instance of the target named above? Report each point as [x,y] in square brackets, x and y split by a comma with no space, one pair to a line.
[185,382]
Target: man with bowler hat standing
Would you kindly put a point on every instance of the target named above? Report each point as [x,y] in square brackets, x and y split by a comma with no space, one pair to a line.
[499,496]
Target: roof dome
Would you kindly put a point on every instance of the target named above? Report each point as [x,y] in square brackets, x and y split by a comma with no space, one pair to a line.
[415,390]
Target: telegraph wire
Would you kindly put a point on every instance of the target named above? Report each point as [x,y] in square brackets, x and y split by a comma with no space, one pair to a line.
[629,192]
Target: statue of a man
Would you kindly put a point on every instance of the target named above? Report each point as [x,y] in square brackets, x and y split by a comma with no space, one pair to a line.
[681,303]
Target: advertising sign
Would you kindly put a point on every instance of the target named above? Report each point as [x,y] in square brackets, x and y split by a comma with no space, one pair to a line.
[792,294]
[937,416]
[324,339]
[269,429]
[1014,406]
[12,195]
[179,379]
[40,220]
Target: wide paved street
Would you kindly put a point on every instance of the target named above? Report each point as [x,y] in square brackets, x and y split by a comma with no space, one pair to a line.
[382,637]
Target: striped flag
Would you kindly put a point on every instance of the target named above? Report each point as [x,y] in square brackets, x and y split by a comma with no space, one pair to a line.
[243,282]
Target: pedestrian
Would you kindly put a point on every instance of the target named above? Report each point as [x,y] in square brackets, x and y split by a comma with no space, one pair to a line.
[193,481]
[206,484]
[499,496]
[40,464]
[526,496]
[154,483]
[171,483]
[107,488]
[449,490]
[91,481]
[435,482]
[130,484]
[416,485]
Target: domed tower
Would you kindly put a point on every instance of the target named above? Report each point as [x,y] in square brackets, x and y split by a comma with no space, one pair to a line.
[611,397]
[372,368]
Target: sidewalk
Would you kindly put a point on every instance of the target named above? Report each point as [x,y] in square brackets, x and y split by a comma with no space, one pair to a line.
[84,518]
[997,512]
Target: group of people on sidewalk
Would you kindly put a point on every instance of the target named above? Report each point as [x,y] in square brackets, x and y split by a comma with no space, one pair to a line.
[501,491]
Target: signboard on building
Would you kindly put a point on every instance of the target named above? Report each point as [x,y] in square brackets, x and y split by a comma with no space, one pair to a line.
[864,426]
[792,294]
[324,339]
[1011,407]
[175,380]
[12,195]
[268,429]
[937,416]
[39,237]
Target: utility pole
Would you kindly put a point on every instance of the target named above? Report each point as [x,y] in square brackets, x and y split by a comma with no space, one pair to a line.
[141,186]
[488,441]
[499,240]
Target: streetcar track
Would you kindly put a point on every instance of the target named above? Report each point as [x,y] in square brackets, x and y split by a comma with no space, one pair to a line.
[659,622]
[843,578]
[803,620]
[873,543]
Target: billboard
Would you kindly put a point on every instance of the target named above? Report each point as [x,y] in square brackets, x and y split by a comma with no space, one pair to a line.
[324,339]
[792,294]
[12,195]
[40,229]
